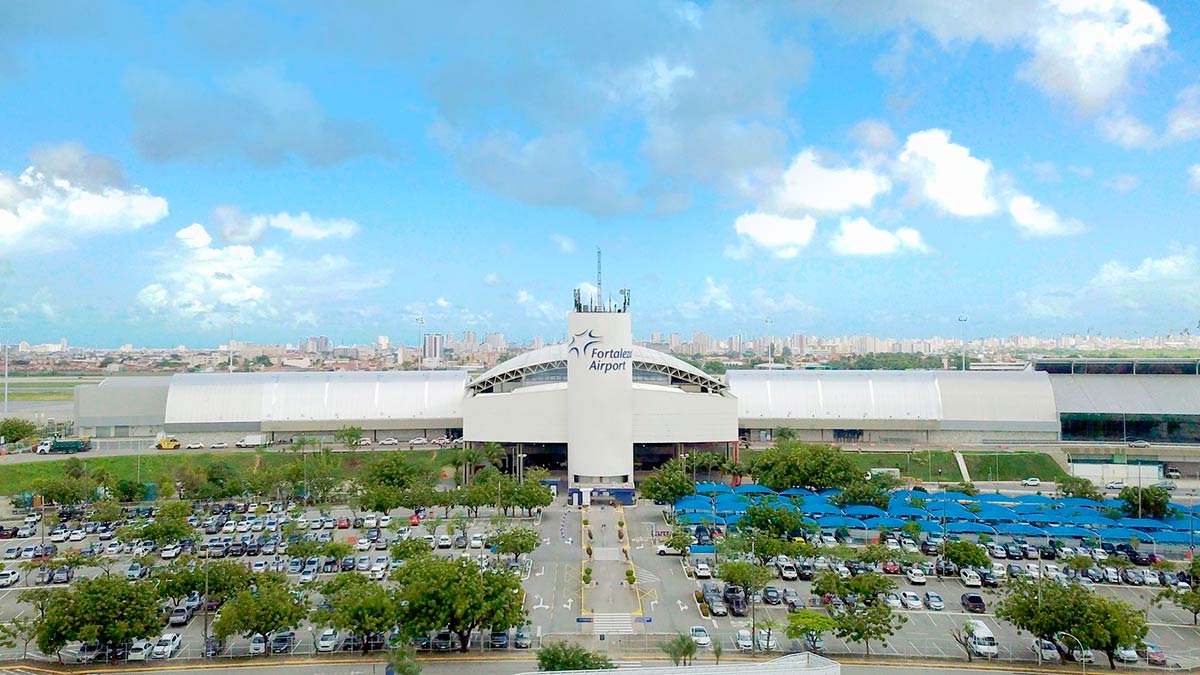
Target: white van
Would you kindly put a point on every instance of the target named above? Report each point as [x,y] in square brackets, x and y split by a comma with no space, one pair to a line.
[981,641]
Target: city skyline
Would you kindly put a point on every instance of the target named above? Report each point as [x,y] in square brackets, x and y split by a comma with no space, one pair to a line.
[840,169]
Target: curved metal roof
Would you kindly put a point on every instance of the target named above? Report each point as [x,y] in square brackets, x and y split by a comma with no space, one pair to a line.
[554,357]
[946,399]
[338,397]
[1128,394]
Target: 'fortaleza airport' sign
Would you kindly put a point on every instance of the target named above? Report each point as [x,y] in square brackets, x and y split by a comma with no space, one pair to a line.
[588,345]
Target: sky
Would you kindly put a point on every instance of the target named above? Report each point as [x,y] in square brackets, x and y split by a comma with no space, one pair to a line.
[182,172]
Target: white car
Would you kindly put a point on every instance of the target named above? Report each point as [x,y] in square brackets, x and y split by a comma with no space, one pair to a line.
[364,442]
[915,576]
[258,644]
[892,599]
[329,640]
[170,551]
[419,440]
[700,636]
[970,578]
[766,640]
[1126,654]
[1033,571]
[220,445]
[1045,650]
[389,441]
[703,571]
[910,600]
[476,541]
[9,578]
[195,446]
[1032,481]
[441,440]
[308,576]
[166,646]
[139,651]
[1115,485]
[1050,570]
[743,642]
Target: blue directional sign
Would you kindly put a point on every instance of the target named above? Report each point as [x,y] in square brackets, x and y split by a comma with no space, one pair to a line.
[583,619]
[643,619]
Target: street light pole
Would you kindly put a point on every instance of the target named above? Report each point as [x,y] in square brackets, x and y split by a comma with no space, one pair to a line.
[962,322]
[6,341]
[1080,643]
[420,341]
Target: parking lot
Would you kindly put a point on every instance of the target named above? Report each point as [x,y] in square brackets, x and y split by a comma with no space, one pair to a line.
[661,605]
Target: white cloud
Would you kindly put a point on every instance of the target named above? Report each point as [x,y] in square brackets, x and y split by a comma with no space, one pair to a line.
[1086,51]
[655,80]
[873,135]
[1046,172]
[1125,130]
[859,237]
[1194,178]
[239,228]
[1123,182]
[71,194]
[539,310]
[1037,220]
[236,284]
[564,243]
[1173,280]
[1183,122]
[946,175]
[1051,305]
[776,302]
[1084,171]
[783,237]
[715,297]
[492,279]
[809,187]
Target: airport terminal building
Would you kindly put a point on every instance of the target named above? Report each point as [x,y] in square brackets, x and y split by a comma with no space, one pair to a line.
[601,407]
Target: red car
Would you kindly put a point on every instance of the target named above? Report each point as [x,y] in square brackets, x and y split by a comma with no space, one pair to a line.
[891,567]
[343,523]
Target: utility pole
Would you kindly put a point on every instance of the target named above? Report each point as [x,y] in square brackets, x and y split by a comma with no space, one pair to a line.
[7,339]
[962,323]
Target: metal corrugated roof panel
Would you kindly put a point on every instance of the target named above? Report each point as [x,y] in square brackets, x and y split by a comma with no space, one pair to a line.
[1129,394]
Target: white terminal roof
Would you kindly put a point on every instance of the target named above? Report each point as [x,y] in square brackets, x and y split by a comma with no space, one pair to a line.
[239,399]
[1129,394]
[555,355]
[1017,401]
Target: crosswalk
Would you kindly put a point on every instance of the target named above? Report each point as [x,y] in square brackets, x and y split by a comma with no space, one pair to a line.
[612,623]
[15,671]
[644,575]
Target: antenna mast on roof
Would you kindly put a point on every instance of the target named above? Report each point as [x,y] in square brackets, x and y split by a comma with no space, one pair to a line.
[599,286]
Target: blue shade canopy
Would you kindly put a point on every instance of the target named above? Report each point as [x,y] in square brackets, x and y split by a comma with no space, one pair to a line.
[1175,538]
[1185,523]
[1032,499]
[797,492]
[994,513]
[1047,518]
[993,497]
[694,502]
[1123,534]
[859,510]
[829,492]
[960,527]
[951,510]
[712,488]
[697,517]
[1077,501]
[1028,508]
[841,521]
[1143,524]
[1113,503]
[813,500]
[1070,531]
[1092,520]
[884,521]
[1077,511]
[821,508]
[753,489]
[1181,508]
[929,525]
[950,496]
[907,512]
[1021,530]
[729,498]
[734,518]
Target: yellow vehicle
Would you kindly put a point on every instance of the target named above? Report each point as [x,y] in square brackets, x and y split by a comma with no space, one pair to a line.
[167,444]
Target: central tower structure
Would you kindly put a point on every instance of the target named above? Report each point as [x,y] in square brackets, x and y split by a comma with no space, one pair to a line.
[600,392]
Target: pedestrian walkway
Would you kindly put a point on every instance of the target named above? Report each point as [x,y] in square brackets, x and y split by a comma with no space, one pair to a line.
[962,467]
[610,624]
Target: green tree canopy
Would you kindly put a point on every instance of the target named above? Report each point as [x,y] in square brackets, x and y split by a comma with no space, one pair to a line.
[108,609]
[265,608]
[751,576]
[358,605]
[516,541]
[441,593]
[807,623]
[557,656]
[817,467]
[1147,502]
[14,429]
[1076,486]
[668,484]
[964,554]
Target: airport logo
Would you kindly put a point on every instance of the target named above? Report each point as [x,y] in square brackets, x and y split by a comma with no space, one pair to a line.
[584,345]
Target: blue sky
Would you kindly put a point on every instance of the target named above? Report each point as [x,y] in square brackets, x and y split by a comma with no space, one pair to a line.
[173,173]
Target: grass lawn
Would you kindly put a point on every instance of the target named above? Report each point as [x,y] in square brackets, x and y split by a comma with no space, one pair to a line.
[921,465]
[1010,465]
[58,395]
[17,478]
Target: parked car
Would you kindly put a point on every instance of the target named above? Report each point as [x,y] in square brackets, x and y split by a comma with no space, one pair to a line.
[283,642]
[1044,650]
[1116,485]
[700,636]
[524,638]
[772,596]
[167,646]
[1153,654]
[973,602]
[140,650]
[915,576]
[910,600]
[329,640]
[703,571]
[970,578]
[1032,481]
[933,601]
[743,641]
[258,644]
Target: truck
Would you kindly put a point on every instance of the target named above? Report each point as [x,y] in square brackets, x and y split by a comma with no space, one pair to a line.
[65,446]
[252,441]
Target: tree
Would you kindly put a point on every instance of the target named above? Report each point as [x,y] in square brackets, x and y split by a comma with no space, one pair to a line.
[1075,486]
[1148,502]
[531,493]
[668,484]
[1043,607]
[774,520]
[718,648]
[21,630]
[817,467]
[170,525]
[495,454]
[349,437]
[557,656]
[808,624]
[678,648]
[964,554]
[962,635]
[406,549]
[751,576]
[516,542]
[1187,600]
[770,626]
[402,660]
[457,595]
[14,429]
[873,491]
[1110,624]
[357,605]
[107,609]
[860,622]
[680,539]
[261,609]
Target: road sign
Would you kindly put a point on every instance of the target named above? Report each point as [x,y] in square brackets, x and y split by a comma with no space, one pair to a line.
[643,619]
[583,619]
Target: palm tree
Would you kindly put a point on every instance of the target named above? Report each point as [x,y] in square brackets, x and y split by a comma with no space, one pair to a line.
[470,457]
[494,453]
[675,649]
[349,437]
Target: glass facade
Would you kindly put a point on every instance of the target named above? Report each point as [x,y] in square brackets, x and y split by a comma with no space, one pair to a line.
[1116,427]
